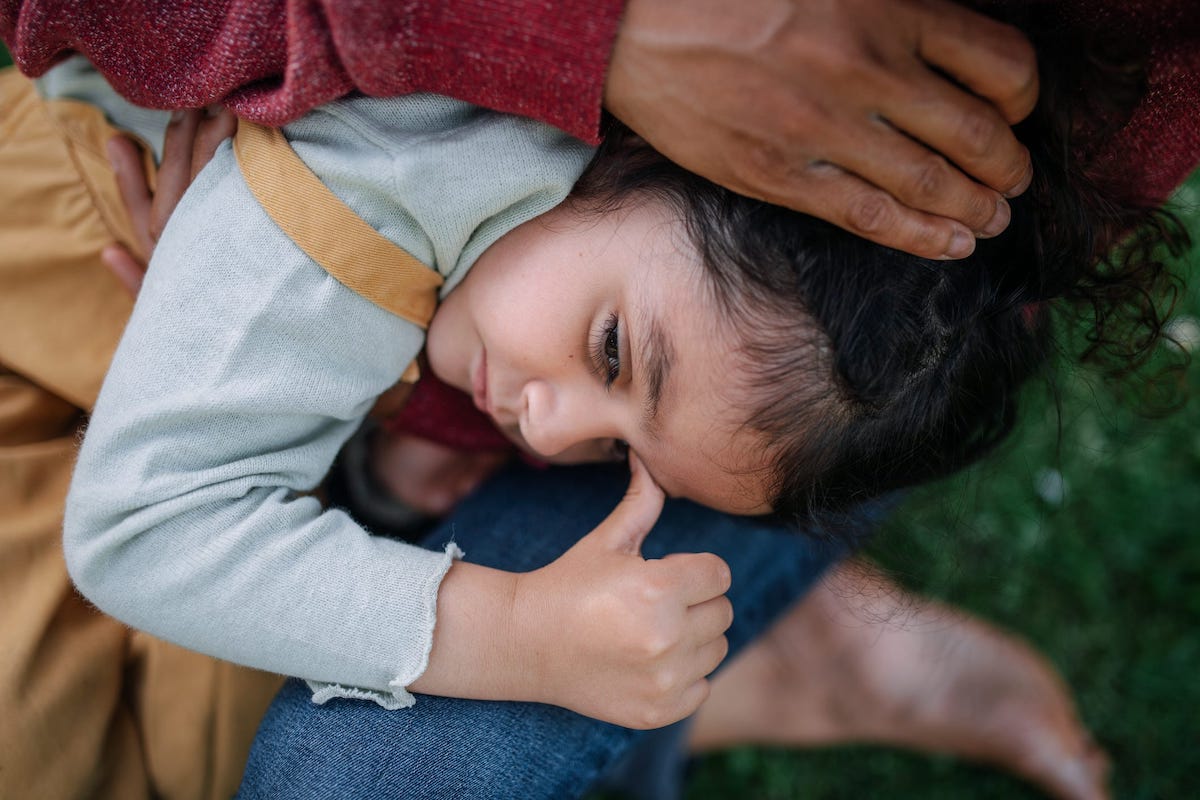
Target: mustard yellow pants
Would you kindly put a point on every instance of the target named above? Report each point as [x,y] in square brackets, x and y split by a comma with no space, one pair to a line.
[88,707]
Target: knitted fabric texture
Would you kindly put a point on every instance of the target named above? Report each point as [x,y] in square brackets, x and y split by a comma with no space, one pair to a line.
[271,61]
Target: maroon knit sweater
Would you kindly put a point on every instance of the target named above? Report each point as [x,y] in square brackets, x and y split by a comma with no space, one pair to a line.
[272,60]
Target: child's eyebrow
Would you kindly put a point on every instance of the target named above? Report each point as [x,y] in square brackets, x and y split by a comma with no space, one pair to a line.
[657,356]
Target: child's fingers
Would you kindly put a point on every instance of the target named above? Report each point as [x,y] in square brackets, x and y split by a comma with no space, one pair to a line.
[220,124]
[710,655]
[699,577]
[126,160]
[708,620]
[704,661]
[127,269]
[626,527]
[175,171]
[693,697]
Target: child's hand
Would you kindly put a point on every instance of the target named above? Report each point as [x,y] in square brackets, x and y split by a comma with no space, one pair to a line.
[192,139]
[426,476]
[600,631]
[620,638]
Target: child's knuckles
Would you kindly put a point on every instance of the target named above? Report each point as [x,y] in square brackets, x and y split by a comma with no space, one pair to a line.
[655,587]
[726,614]
[722,576]
[655,715]
[722,651]
[707,570]
[653,646]
[695,696]
[664,682]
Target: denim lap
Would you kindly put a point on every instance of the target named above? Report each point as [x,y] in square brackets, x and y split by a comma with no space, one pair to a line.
[451,748]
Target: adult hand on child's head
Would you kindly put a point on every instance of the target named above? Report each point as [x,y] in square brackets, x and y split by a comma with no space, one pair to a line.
[620,638]
[889,118]
[191,140]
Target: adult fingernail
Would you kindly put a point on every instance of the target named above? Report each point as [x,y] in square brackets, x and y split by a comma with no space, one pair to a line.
[962,244]
[1020,188]
[1024,184]
[999,220]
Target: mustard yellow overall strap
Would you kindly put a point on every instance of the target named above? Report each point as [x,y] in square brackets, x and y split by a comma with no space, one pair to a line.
[329,232]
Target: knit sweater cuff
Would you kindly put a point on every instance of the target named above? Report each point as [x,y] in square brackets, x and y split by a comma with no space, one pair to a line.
[399,696]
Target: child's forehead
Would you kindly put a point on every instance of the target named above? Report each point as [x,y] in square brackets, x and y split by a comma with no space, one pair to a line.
[661,226]
[701,447]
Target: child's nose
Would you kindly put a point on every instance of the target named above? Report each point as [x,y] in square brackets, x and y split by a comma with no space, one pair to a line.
[558,416]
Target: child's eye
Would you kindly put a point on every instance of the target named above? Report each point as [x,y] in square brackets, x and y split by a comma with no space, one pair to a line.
[620,449]
[608,357]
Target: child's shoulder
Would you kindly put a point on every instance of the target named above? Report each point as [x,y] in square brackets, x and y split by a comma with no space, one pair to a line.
[442,129]
[390,124]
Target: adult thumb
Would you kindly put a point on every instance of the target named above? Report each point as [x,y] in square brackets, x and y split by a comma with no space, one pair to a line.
[626,527]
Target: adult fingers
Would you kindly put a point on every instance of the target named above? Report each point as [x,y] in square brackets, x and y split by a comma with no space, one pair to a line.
[215,128]
[966,130]
[992,59]
[175,171]
[626,527]
[127,164]
[127,269]
[870,212]
[925,181]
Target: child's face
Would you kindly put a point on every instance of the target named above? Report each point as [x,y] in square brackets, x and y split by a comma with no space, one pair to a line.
[579,333]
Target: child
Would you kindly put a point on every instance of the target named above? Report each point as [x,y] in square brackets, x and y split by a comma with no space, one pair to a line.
[318,379]
[447,417]
[581,333]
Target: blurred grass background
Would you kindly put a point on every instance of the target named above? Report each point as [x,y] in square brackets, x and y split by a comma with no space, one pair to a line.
[1086,544]
[1086,541]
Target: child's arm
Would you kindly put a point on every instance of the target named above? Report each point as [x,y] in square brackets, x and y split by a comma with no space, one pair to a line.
[243,370]
[600,630]
[241,373]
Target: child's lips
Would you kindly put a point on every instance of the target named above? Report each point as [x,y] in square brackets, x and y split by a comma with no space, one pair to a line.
[479,386]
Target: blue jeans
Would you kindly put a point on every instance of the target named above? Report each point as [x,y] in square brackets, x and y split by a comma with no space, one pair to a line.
[449,748]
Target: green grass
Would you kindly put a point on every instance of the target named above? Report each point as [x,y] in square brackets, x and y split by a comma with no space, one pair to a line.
[1107,583]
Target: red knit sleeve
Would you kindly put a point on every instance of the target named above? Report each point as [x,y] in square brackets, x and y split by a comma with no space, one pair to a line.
[273,60]
[1160,144]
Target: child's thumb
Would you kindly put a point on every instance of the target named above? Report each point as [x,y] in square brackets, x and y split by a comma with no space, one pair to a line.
[626,527]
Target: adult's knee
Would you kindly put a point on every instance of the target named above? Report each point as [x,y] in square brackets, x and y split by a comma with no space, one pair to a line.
[439,748]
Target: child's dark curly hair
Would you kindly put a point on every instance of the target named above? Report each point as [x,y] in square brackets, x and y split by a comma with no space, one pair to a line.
[874,369]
